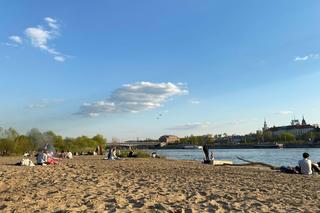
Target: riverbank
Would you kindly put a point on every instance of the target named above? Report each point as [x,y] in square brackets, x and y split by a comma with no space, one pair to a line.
[88,183]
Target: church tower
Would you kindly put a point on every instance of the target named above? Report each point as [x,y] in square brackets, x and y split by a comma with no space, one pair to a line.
[303,122]
[265,126]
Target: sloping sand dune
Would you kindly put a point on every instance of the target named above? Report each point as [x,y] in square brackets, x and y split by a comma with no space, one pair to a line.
[152,185]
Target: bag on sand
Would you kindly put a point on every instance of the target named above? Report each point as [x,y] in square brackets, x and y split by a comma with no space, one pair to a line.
[26,162]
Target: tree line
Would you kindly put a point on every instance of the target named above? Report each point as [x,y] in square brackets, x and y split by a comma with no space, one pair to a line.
[13,143]
[252,138]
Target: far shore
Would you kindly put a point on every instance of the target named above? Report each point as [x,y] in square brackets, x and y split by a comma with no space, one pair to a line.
[236,146]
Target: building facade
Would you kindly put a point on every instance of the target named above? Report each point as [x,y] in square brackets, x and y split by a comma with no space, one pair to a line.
[295,128]
[169,139]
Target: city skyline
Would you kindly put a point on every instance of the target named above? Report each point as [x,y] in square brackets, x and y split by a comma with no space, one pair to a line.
[129,70]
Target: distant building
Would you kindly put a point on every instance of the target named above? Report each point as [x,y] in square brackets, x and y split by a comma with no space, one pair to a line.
[295,128]
[169,139]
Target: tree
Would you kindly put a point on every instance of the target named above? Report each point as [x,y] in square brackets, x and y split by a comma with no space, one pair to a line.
[286,136]
[100,139]
[6,146]
[267,136]
[22,144]
[41,140]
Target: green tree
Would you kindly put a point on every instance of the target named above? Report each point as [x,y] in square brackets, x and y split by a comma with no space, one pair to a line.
[37,139]
[287,137]
[6,146]
[100,139]
[22,144]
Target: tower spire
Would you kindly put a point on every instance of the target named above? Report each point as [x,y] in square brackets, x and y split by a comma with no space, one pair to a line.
[303,122]
[265,126]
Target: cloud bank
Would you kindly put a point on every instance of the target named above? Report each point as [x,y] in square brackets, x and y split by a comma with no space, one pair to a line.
[133,98]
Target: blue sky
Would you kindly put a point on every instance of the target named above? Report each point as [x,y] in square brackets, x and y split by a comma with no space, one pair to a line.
[131,69]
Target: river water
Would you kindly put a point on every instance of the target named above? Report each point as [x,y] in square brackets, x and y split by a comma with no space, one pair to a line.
[277,157]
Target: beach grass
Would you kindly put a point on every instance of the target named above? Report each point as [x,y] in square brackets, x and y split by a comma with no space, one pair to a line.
[138,153]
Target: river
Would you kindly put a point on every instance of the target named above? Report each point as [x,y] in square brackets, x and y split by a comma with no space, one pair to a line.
[277,157]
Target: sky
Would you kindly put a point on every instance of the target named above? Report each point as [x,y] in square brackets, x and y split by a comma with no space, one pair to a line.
[141,69]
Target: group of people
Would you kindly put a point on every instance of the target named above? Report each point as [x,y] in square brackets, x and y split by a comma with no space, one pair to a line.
[306,166]
[45,157]
[112,154]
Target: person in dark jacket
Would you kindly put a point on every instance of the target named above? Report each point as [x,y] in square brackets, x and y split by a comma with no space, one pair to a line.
[206,152]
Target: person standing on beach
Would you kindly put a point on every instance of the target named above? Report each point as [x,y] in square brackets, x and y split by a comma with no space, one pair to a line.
[206,152]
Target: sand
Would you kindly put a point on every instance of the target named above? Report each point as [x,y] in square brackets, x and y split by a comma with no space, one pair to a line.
[90,184]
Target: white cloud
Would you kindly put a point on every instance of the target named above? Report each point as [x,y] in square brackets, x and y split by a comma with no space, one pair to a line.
[40,37]
[196,102]
[189,126]
[134,98]
[52,23]
[8,44]
[45,103]
[59,58]
[16,39]
[307,57]
[284,112]
[304,58]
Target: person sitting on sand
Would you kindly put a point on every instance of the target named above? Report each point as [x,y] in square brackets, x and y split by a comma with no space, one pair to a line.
[154,155]
[306,166]
[42,158]
[211,155]
[52,160]
[69,155]
[131,153]
[114,154]
[110,154]
[62,154]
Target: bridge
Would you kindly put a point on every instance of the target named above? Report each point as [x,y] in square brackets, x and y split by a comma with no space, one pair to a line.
[144,144]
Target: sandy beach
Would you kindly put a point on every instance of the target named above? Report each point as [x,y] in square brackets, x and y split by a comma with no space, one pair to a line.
[90,184]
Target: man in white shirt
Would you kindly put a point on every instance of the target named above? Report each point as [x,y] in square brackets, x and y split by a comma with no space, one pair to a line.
[305,164]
